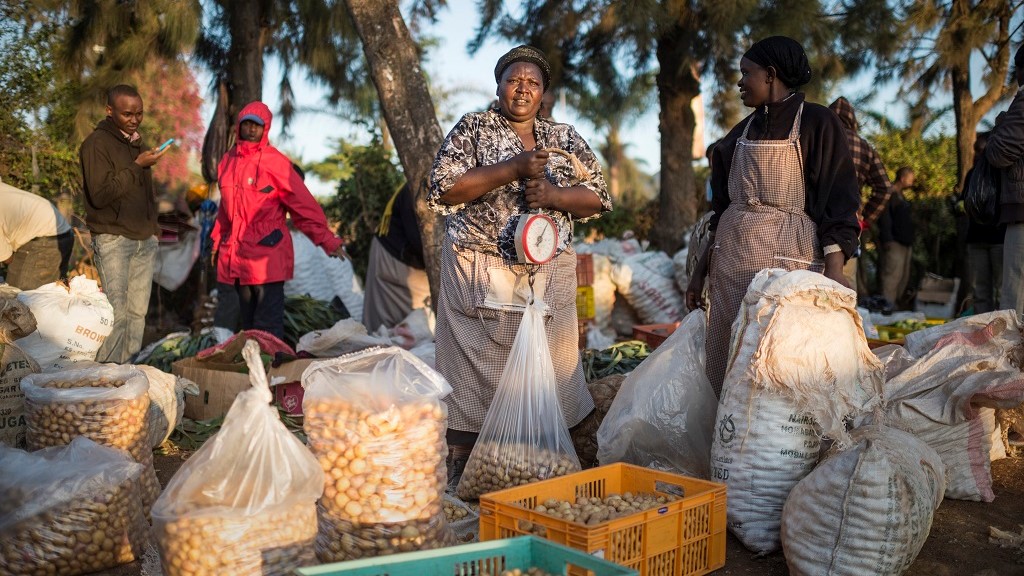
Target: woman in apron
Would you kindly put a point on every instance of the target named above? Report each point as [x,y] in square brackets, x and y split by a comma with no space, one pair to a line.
[784,192]
[491,169]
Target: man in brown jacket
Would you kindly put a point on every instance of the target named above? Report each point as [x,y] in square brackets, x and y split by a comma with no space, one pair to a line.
[121,212]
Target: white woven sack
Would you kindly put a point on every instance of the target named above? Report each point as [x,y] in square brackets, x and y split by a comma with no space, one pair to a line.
[940,396]
[323,277]
[615,249]
[682,279]
[166,402]
[799,364]
[72,323]
[920,342]
[966,451]
[646,281]
[865,510]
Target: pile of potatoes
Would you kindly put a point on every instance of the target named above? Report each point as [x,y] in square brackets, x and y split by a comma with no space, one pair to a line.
[338,540]
[99,528]
[584,434]
[463,518]
[276,541]
[453,512]
[121,423]
[384,476]
[496,466]
[594,510]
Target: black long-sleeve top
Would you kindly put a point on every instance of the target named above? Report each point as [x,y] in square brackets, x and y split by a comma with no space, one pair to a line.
[403,240]
[833,194]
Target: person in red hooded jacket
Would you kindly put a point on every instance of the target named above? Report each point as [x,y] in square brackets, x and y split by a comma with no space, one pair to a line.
[259,188]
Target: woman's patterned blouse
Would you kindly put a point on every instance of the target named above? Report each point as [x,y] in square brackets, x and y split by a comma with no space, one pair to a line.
[488,223]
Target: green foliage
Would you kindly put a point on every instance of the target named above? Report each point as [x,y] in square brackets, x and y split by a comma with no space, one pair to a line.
[636,219]
[35,109]
[368,177]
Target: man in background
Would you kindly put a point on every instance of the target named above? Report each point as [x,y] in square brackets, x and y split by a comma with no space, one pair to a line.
[1005,151]
[396,279]
[984,251]
[121,211]
[35,239]
[259,188]
[896,234]
[870,174]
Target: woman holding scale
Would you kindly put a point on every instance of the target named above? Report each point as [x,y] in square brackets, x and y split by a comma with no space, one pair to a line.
[510,184]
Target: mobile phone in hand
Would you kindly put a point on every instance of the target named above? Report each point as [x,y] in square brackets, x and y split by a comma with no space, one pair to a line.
[165,145]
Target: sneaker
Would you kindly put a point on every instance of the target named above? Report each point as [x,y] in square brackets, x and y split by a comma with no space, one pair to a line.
[458,456]
[455,470]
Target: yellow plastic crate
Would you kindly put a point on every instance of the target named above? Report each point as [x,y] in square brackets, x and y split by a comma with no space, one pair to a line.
[585,302]
[685,537]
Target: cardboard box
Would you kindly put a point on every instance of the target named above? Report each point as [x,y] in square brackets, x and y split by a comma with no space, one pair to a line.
[937,296]
[288,395]
[220,383]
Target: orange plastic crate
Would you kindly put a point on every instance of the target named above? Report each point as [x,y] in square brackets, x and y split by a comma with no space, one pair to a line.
[684,537]
[654,334]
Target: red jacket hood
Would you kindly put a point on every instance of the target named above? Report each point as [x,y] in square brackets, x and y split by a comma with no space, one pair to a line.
[260,110]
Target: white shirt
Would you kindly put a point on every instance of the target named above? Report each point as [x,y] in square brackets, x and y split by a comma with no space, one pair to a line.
[24,217]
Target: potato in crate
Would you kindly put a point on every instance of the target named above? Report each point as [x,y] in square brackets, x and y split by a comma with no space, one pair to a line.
[682,534]
[527,555]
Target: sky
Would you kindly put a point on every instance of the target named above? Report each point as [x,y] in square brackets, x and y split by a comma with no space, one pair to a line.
[470,80]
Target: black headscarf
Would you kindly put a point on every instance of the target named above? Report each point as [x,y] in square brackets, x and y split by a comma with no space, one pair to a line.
[784,54]
[524,53]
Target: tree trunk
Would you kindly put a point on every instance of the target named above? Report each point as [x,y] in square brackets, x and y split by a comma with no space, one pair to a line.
[966,124]
[245,56]
[678,85]
[243,82]
[966,109]
[408,109]
[613,155]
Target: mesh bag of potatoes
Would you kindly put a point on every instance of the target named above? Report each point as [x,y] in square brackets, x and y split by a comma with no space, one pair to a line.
[376,423]
[524,437]
[245,502]
[69,510]
[108,404]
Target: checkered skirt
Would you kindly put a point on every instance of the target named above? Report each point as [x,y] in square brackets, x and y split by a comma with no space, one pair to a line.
[473,341]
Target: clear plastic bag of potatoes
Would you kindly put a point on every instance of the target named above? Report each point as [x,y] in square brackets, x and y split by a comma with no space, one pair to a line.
[244,503]
[524,437]
[376,422]
[69,509]
[108,404]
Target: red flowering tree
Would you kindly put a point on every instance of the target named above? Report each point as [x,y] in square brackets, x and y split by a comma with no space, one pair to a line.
[173,110]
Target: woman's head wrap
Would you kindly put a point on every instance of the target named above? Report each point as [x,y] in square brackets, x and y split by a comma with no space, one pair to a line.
[524,53]
[784,54]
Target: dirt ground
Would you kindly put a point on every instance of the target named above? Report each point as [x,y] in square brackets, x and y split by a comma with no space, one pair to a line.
[958,544]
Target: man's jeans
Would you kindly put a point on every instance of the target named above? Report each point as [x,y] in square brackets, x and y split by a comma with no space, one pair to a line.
[1012,295]
[126,273]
